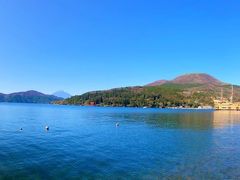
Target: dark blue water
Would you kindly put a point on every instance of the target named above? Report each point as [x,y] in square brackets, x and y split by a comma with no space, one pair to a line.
[84,142]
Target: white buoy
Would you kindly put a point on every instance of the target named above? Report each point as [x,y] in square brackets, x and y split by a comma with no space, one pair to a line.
[47,128]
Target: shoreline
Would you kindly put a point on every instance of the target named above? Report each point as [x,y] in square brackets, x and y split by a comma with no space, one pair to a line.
[170,108]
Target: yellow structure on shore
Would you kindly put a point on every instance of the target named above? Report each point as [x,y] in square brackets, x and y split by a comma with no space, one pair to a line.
[224,104]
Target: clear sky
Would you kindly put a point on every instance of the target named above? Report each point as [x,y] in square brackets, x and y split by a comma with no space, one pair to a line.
[82,45]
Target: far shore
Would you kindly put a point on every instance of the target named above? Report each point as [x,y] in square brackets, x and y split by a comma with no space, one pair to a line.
[143,107]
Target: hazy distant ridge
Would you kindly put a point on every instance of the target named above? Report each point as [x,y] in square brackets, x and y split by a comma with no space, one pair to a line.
[28,97]
[62,94]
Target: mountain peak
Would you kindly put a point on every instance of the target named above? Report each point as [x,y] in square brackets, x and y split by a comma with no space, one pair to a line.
[28,93]
[193,78]
[62,94]
[196,78]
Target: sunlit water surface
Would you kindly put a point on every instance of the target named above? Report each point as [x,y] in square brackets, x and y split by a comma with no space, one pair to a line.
[84,142]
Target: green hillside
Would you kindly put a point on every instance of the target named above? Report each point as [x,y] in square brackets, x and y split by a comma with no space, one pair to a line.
[167,95]
[192,90]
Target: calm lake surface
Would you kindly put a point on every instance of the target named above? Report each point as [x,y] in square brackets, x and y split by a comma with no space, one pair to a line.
[84,142]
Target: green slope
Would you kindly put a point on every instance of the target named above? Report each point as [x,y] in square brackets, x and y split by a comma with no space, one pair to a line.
[190,90]
[167,95]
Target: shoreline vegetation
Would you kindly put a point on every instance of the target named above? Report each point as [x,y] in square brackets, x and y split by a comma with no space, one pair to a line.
[144,107]
[187,91]
[164,96]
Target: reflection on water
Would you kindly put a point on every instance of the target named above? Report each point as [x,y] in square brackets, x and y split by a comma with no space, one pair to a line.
[226,118]
[192,119]
[84,142]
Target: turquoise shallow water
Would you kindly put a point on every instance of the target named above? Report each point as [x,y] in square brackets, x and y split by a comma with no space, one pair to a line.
[84,142]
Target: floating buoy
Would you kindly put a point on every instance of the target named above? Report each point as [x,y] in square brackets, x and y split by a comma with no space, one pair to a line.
[20,129]
[47,128]
[117,124]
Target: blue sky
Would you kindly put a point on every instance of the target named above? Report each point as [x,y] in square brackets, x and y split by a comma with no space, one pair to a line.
[84,45]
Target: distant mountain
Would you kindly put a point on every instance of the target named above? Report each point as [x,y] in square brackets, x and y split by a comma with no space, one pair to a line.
[200,78]
[28,97]
[62,94]
[189,90]
[2,96]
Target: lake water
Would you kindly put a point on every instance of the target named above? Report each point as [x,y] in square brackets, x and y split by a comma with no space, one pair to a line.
[84,142]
